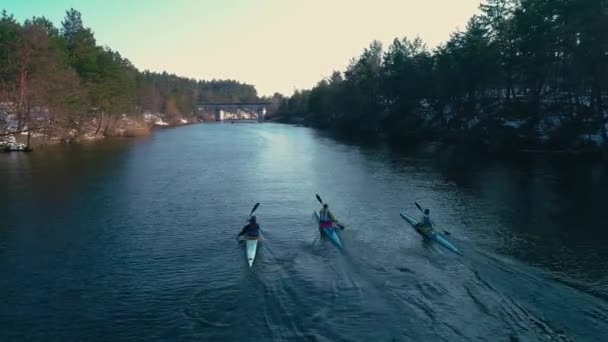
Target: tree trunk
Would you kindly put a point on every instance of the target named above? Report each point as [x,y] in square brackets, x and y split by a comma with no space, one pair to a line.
[577,103]
[22,94]
[599,111]
[100,122]
[14,132]
[509,84]
[51,130]
[105,131]
[571,105]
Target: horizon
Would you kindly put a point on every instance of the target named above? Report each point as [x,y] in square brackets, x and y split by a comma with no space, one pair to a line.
[236,27]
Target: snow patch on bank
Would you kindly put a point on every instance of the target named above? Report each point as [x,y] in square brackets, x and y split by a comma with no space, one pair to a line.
[514,123]
[596,139]
[9,143]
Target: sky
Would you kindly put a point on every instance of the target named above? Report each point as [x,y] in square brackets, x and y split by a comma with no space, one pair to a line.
[276,45]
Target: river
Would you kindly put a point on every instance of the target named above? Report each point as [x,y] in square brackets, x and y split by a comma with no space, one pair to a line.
[135,240]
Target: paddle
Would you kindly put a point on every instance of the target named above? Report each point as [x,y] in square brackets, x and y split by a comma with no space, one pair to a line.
[341,226]
[420,208]
[255,207]
[319,199]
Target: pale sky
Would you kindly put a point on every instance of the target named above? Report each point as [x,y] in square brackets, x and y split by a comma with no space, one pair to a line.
[276,45]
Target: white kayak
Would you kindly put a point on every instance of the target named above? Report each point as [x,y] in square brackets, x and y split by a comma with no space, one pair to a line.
[252,247]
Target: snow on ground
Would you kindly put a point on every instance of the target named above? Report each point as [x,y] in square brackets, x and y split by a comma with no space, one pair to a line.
[11,122]
[553,120]
[514,123]
[9,143]
[473,122]
[596,139]
[160,122]
[153,117]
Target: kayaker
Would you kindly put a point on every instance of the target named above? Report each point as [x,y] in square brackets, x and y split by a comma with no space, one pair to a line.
[252,229]
[327,218]
[425,223]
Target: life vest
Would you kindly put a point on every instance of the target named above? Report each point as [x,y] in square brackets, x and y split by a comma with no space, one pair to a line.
[324,216]
[253,230]
[426,221]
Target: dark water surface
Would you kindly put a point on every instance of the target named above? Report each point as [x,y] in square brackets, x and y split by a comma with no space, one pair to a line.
[134,240]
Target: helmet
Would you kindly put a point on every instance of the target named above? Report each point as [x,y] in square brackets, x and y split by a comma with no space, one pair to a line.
[426,211]
[252,219]
[325,206]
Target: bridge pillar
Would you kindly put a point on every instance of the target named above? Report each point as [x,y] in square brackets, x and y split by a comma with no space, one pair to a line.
[219,115]
[261,114]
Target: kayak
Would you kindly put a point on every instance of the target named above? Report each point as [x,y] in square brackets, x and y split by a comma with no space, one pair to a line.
[431,235]
[252,247]
[331,232]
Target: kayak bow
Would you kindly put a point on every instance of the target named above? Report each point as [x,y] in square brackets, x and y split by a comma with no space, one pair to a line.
[331,232]
[431,235]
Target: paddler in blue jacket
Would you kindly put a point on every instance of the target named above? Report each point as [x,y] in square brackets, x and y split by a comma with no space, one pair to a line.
[425,225]
[252,229]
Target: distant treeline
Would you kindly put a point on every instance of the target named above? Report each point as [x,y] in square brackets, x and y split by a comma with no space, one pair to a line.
[60,79]
[523,74]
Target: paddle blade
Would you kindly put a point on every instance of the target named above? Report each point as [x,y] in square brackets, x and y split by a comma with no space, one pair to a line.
[319,199]
[255,207]
[418,206]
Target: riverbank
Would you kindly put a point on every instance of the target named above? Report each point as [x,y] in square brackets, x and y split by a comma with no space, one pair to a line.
[487,87]
[26,140]
[508,140]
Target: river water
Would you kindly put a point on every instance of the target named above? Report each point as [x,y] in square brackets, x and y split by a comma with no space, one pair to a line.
[134,240]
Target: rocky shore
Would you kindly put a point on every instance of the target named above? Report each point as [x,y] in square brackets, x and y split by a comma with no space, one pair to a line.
[26,139]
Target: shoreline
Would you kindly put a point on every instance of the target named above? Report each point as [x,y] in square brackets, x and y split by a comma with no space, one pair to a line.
[18,141]
[464,145]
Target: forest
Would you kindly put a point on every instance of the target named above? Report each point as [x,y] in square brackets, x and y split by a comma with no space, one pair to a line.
[522,74]
[59,83]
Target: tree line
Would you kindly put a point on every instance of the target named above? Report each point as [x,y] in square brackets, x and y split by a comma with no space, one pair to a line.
[60,80]
[522,74]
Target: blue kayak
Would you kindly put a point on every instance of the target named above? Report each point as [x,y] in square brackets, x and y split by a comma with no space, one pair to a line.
[331,232]
[431,235]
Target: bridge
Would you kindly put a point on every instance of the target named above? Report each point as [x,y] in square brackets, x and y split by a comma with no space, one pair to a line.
[234,110]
